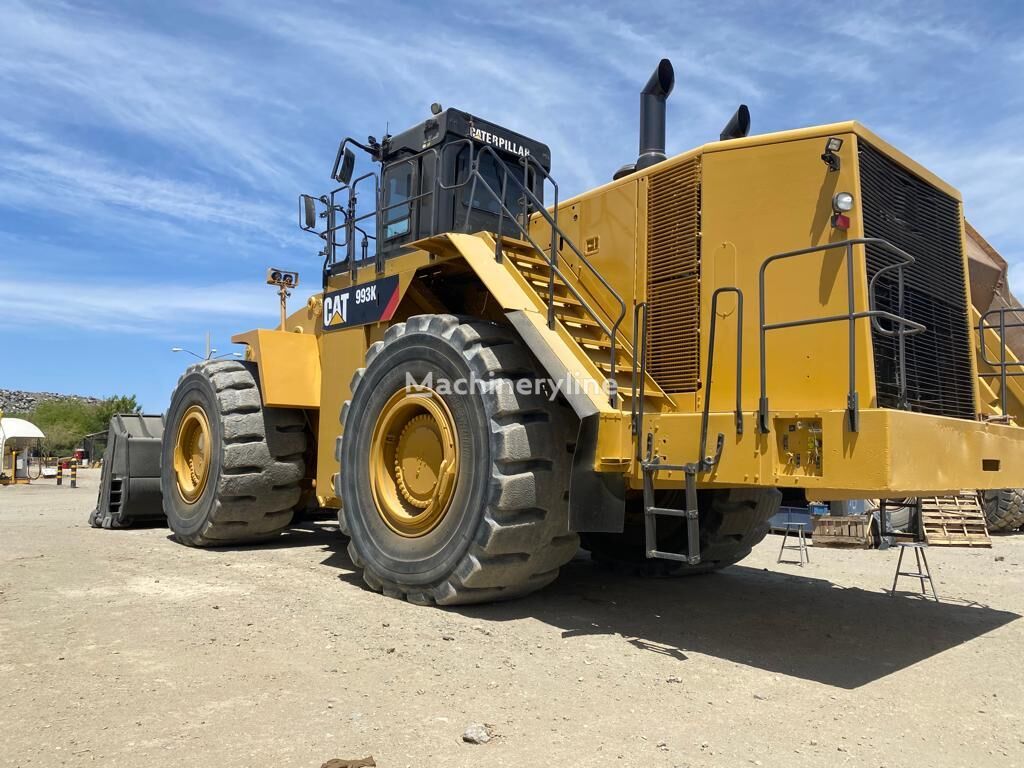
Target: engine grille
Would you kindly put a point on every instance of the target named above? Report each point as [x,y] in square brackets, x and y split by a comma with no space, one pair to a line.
[673,277]
[915,216]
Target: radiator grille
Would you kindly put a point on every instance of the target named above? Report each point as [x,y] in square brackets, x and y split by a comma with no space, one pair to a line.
[915,216]
[673,277]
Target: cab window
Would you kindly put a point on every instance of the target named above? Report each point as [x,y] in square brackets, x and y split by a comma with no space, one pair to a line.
[493,172]
[397,191]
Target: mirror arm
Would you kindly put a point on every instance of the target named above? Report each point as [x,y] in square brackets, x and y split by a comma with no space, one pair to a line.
[341,153]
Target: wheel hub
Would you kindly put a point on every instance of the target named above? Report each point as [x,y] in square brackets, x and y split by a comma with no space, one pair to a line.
[414,462]
[192,447]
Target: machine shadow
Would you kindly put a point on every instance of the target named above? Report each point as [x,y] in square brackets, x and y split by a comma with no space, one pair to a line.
[306,533]
[786,624]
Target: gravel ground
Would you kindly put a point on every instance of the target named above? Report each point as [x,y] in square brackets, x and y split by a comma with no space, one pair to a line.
[123,648]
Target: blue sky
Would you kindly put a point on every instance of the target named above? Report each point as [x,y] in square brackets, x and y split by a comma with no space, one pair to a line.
[151,153]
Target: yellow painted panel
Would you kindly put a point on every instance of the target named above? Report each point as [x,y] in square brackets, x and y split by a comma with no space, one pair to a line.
[895,453]
[762,200]
[343,353]
[288,364]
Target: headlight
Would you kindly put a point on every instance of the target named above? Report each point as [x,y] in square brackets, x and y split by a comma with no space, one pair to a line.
[842,202]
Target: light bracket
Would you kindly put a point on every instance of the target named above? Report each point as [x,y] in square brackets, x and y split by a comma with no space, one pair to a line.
[832,145]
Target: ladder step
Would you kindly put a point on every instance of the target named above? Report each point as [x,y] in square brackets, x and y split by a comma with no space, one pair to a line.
[622,364]
[658,554]
[667,512]
[568,299]
[529,258]
[599,343]
[584,322]
[518,245]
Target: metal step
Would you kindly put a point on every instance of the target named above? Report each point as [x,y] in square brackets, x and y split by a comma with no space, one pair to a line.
[584,322]
[567,299]
[690,514]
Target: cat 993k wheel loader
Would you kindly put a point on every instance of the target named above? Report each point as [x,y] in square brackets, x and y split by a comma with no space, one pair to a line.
[491,373]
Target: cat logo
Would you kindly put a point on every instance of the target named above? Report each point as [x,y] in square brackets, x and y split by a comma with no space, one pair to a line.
[361,304]
[335,308]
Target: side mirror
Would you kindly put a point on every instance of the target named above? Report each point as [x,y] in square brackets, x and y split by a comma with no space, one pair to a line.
[347,166]
[307,213]
[344,164]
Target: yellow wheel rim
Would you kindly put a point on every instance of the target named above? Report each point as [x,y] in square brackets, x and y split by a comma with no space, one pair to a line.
[414,462]
[192,449]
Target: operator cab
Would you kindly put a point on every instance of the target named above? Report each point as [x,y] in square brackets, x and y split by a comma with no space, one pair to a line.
[454,172]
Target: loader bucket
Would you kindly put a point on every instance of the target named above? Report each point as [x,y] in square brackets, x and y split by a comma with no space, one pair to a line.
[130,482]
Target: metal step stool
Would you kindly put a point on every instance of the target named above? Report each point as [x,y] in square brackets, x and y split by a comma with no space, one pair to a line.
[923,572]
[797,529]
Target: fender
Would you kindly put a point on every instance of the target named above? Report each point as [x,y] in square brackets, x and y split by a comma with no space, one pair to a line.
[597,500]
[288,365]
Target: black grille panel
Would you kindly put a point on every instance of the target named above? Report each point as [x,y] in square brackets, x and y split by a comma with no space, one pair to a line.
[915,216]
[673,277]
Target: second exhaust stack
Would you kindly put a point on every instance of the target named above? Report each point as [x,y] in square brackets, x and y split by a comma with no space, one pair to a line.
[652,118]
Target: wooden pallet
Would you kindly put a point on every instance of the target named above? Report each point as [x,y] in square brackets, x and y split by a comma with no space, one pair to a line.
[954,521]
[844,531]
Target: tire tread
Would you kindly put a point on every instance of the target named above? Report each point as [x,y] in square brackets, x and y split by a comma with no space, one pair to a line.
[523,537]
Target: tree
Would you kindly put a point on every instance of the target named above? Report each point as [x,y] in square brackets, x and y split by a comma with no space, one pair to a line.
[115,404]
[66,422]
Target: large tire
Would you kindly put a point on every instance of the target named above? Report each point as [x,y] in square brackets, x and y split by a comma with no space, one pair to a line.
[255,459]
[732,522]
[505,533]
[1004,509]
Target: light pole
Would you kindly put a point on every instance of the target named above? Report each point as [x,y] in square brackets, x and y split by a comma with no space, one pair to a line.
[211,354]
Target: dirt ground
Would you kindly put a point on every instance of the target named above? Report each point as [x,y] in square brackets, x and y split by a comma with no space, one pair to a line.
[123,648]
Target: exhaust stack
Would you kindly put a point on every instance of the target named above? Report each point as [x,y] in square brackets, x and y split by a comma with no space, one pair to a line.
[652,115]
[738,125]
[652,118]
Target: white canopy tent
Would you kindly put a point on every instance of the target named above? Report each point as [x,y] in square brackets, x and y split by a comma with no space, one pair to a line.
[17,435]
[16,429]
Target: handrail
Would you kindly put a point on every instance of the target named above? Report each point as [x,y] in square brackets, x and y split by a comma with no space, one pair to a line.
[552,261]
[553,222]
[351,220]
[1003,363]
[852,398]
[350,225]
[705,461]
[639,352]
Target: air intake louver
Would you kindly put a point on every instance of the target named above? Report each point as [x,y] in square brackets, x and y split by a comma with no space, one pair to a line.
[673,277]
[915,216]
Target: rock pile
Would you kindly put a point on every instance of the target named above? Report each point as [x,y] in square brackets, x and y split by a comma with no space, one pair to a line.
[15,401]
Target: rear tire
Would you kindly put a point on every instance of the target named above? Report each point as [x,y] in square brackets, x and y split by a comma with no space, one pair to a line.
[505,532]
[732,522]
[1004,509]
[254,459]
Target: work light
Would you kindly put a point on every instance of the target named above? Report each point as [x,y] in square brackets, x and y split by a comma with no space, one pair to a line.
[842,202]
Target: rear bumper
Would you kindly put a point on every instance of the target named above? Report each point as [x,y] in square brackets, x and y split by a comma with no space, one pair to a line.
[895,453]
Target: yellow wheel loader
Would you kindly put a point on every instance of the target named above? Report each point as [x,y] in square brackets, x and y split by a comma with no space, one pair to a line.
[493,373]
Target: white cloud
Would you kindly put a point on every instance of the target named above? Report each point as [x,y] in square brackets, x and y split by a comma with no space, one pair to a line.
[89,68]
[166,309]
[39,172]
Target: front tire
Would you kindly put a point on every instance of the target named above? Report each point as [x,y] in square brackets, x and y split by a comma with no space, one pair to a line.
[454,498]
[230,468]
